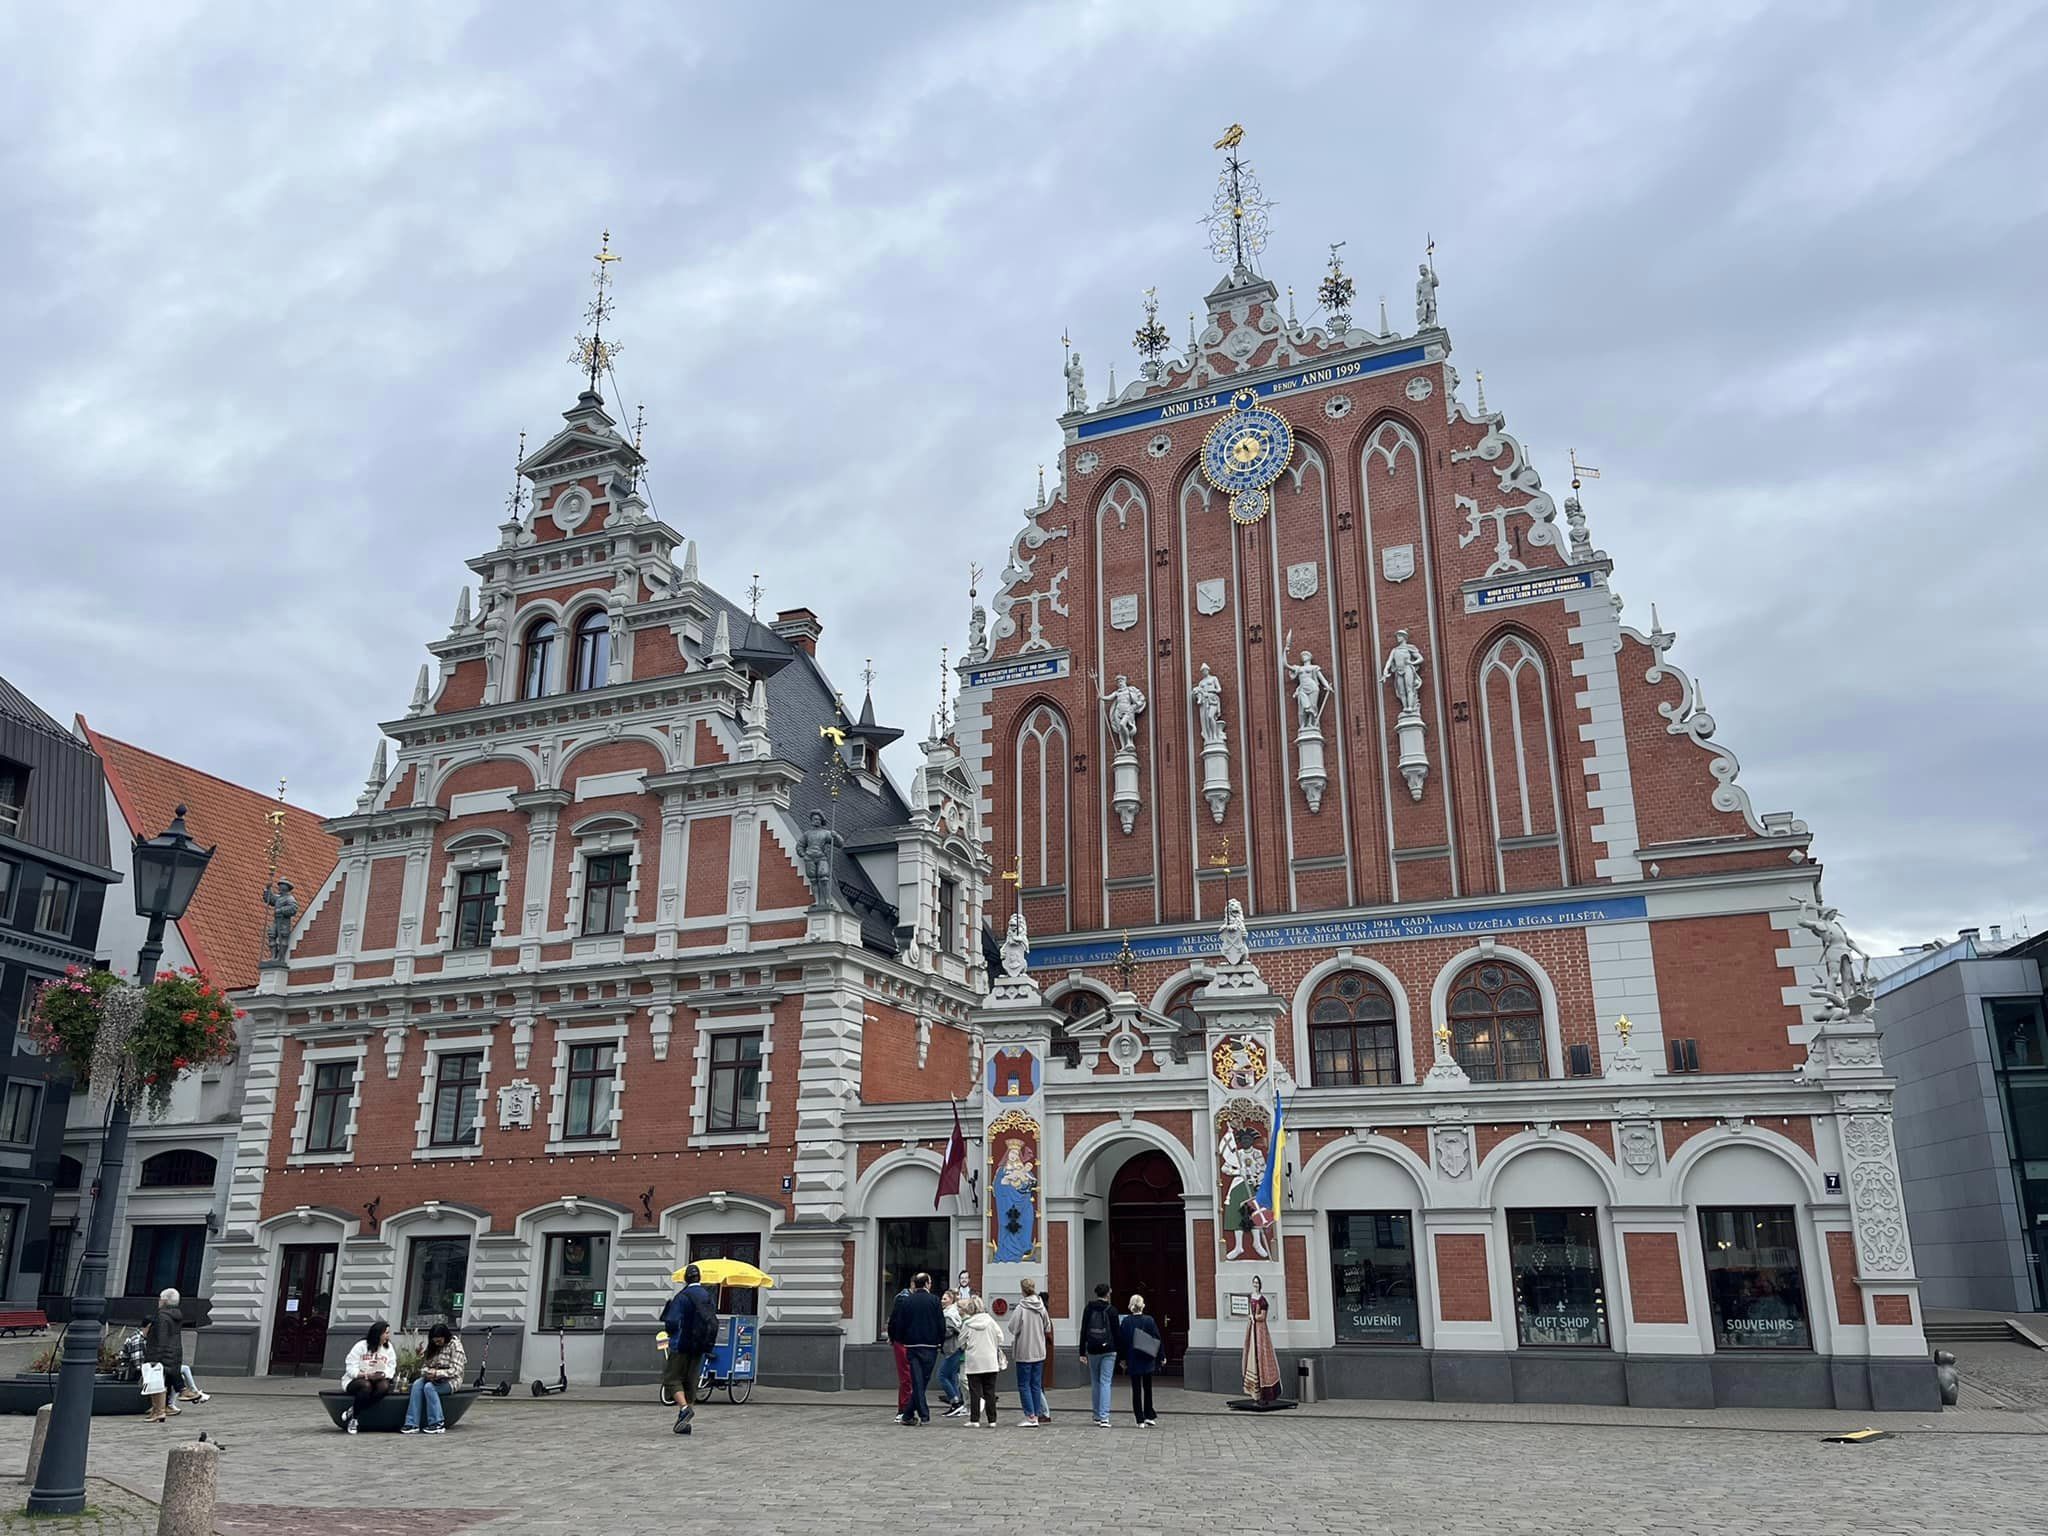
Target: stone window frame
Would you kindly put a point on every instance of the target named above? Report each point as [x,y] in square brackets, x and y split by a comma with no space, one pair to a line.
[614,1032]
[436,1046]
[605,833]
[310,1060]
[1347,959]
[761,1023]
[466,852]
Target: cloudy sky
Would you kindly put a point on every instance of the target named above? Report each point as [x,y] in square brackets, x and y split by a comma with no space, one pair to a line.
[279,287]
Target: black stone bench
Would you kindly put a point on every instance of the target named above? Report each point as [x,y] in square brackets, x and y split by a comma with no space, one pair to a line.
[388,1412]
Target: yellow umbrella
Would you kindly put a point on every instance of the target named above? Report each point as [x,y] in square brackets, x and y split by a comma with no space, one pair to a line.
[726,1272]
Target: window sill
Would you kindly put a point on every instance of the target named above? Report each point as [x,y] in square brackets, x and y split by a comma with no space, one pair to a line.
[314,1159]
[581,1144]
[466,960]
[603,946]
[729,1139]
[440,1154]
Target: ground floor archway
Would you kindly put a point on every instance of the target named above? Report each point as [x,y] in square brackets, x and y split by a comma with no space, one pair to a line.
[1148,1245]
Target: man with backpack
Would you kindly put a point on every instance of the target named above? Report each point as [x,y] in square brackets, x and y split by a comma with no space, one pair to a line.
[1098,1351]
[691,1318]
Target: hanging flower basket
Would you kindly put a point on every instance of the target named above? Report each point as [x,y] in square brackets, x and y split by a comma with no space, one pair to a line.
[133,1043]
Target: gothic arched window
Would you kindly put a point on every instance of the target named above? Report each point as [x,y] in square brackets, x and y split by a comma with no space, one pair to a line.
[593,650]
[1496,1018]
[1353,1040]
[1189,1031]
[538,657]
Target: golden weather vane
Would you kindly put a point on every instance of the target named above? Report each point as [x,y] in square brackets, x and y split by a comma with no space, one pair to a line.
[1014,877]
[1232,137]
[1237,217]
[593,353]
[1222,861]
[1579,470]
[276,819]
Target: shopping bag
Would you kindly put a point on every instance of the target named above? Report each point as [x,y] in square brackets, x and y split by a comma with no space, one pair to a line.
[152,1378]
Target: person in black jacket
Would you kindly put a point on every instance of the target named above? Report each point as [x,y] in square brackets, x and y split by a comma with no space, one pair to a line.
[691,1318]
[1100,1342]
[163,1344]
[918,1323]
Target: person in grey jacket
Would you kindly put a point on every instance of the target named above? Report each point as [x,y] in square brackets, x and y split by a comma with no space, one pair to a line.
[1030,1343]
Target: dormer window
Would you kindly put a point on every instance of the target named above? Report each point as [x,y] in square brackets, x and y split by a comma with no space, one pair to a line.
[541,637]
[593,650]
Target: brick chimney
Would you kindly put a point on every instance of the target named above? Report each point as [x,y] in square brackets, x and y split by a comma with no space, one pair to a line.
[800,627]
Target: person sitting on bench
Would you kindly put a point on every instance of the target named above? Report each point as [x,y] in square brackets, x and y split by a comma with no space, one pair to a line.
[441,1366]
[369,1373]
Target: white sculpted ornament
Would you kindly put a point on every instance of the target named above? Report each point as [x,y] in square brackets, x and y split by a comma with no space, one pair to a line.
[1208,698]
[1125,703]
[1311,693]
[1425,297]
[1235,943]
[1016,949]
[1404,670]
[1077,386]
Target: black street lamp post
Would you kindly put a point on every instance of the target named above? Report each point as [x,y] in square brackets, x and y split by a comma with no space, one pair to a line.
[167,871]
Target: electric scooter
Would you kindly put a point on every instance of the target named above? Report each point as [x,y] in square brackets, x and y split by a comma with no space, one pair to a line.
[561,1383]
[483,1366]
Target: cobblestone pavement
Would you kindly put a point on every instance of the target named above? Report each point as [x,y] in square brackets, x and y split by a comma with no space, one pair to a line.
[109,1511]
[553,1468]
[2014,1374]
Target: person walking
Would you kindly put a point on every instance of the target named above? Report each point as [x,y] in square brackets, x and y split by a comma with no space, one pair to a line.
[1099,1343]
[369,1373]
[902,1360]
[691,1318]
[982,1352]
[163,1346]
[440,1372]
[1030,1342]
[1141,1344]
[918,1323]
[950,1359]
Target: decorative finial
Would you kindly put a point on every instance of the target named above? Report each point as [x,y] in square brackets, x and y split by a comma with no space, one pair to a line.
[1443,1039]
[380,770]
[462,608]
[1291,321]
[1041,485]
[1193,345]
[1623,1028]
[276,819]
[1151,338]
[1335,292]
[593,353]
[1385,330]
[515,504]
[1237,217]
[945,701]
[639,437]
[1125,964]
[754,590]
[419,691]
[1578,469]
[1479,381]
[973,581]
[867,675]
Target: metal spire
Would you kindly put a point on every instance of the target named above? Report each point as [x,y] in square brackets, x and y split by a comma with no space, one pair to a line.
[276,819]
[593,353]
[515,503]
[1237,218]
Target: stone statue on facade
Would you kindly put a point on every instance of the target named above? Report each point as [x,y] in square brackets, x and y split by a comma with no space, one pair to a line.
[1016,949]
[1125,703]
[1311,692]
[1077,385]
[1842,980]
[1232,939]
[1208,698]
[1404,670]
[284,911]
[817,848]
[1425,297]
[977,633]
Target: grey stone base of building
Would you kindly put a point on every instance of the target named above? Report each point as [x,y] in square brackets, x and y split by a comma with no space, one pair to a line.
[224,1350]
[868,1368]
[630,1357]
[806,1357]
[1593,1377]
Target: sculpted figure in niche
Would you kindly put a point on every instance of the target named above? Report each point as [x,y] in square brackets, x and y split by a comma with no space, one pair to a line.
[1208,697]
[1311,692]
[977,633]
[1125,703]
[815,849]
[1404,670]
[1840,976]
[1077,385]
[284,911]
[1236,944]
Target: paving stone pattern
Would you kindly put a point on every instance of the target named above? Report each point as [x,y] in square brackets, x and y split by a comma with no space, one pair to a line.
[554,1468]
[109,1511]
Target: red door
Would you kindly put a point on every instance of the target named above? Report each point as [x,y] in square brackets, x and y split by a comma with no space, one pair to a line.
[1148,1247]
[305,1290]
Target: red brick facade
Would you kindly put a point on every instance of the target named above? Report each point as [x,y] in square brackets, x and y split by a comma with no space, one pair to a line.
[1656,1284]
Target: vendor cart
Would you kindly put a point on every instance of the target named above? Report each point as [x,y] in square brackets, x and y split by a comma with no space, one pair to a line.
[733,1359]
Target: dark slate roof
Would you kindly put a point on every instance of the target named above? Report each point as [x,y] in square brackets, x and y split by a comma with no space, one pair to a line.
[800,701]
[16,705]
[64,814]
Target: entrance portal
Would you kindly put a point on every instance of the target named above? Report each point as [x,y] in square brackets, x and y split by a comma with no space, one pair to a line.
[1148,1247]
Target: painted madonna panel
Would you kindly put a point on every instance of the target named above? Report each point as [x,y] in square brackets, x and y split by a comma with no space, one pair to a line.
[1243,1129]
[1013,1187]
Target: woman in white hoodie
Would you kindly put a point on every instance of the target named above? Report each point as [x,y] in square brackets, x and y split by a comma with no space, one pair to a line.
[1030,1343]
[981,1338]
[370,1372]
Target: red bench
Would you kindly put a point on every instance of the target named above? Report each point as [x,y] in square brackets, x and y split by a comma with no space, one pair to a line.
[22,1322]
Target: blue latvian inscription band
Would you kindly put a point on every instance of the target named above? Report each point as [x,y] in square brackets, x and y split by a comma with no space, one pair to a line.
[1034,669]
[1219,399]
[1535,590]
[1502,922]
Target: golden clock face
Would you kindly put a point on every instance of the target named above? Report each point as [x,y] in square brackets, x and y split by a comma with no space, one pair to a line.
[1245,452]
[1247,446]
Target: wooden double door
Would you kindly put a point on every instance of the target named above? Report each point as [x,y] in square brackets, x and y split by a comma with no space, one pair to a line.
[1148,1247]
[305,1292]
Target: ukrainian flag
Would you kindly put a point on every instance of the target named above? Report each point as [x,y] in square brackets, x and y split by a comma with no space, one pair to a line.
[1268,1196]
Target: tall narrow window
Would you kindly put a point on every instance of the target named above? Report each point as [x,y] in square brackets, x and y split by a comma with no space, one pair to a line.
[735,1086]
[1496,1017]
[458,1078]
[539,658]
[9,873]
[18,1111]
[593,650]
[327,1122]
[1351,1032]
[476,908]
[1189,1031]
[588,1113]
[605,878]
[13,791]
[54,907]
[949,916]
